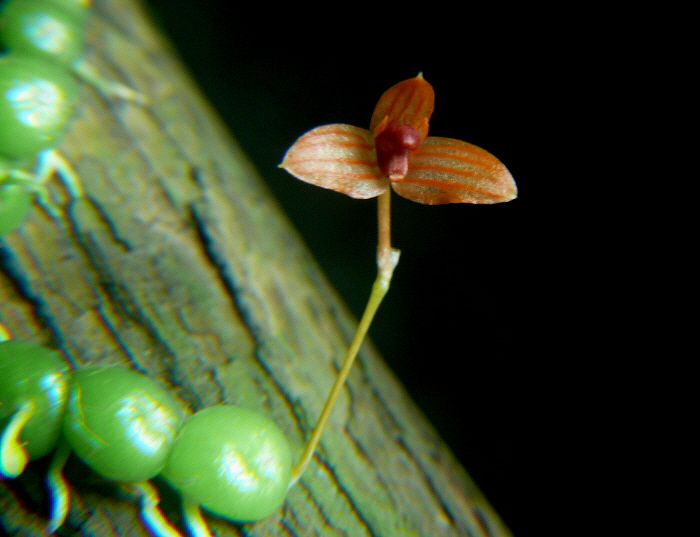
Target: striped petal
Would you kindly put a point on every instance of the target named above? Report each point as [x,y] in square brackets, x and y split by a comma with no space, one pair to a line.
[409,103]
[338,157]
[444,170]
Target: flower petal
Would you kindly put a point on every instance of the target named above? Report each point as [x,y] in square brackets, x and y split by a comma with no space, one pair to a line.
[444,170]
[409,103]
[338,157]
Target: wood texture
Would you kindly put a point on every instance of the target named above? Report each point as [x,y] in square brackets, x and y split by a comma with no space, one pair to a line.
[178,263]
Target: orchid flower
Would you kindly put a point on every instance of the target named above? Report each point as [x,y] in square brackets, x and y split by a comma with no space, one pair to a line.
[395,152]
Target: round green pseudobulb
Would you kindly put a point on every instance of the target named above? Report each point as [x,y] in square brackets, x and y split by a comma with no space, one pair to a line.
[15,202]
[121,423]
[30,372]
[36,102]
[44,28]
[232,461]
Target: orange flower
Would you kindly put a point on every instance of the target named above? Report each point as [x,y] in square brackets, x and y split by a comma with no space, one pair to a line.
[397,151]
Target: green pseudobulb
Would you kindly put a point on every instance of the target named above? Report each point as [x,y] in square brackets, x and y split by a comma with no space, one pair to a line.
[30,372]
[43,28]
[120,422]
[232,461]
[36,102]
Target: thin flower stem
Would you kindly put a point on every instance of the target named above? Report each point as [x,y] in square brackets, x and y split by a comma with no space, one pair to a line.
[387,259]
[383,227]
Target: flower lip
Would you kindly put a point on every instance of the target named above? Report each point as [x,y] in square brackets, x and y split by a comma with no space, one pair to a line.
[393,147]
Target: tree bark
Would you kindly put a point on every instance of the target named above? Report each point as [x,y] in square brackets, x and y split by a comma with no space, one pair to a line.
[178,263]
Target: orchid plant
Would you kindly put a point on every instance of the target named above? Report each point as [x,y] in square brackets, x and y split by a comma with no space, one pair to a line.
[47,406]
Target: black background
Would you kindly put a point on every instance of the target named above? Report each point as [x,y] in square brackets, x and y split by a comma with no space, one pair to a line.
[476,322]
